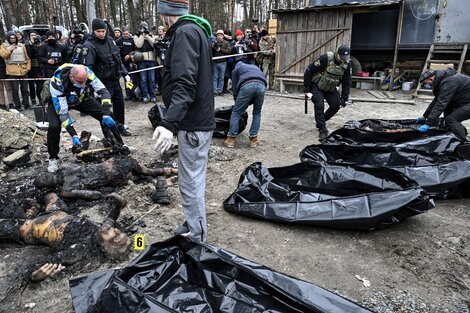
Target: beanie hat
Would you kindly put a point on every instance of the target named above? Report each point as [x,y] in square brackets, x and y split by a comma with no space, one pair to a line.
[426,74]
[263,33]
[220,32]
[238,32]
[50,33]
[98,24]
[173,7]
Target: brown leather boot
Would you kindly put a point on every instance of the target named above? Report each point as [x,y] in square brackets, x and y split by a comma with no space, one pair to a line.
[254,141]
[229,142]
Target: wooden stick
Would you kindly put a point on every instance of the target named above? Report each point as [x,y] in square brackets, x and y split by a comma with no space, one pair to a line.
[88,152]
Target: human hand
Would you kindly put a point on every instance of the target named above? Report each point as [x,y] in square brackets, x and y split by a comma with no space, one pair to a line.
[108,121]
[51,61]
[420,120]
[129,84]
[12,47]
[163,137]
[423,128]
[76,141]
[46,271]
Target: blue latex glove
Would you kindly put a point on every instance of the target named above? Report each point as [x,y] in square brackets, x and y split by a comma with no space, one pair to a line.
[424,128]
[420,120]
[108,121]
[76,141]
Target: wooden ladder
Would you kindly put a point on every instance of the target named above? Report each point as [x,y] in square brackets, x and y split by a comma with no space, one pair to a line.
[440,53]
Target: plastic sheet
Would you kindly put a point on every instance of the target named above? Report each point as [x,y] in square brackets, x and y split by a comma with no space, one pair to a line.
[222,119]
[338,196]
[374,131]
[178,275]
[443,175]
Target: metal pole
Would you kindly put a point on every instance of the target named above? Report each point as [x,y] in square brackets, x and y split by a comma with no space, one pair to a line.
[397,43]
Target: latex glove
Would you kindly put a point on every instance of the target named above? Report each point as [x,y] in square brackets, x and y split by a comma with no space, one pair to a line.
[108,121]
[420,120]
[424,128]
[163,137]
[309,95]
[76,141]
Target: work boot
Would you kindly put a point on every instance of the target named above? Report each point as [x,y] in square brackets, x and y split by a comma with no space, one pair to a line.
[3,107]
[11,106]
[229,142]
[323,133]
[53,166]
[182,230]
[254,141]
[123,131]
[161,195]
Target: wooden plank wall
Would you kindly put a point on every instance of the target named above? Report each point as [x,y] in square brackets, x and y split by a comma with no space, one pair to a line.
[298,33]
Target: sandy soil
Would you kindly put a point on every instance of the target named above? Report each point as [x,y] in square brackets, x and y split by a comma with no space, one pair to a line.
[420,265]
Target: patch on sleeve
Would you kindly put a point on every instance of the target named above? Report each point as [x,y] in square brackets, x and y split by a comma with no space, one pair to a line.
[317,63]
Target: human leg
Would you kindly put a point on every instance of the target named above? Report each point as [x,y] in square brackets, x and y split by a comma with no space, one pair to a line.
[333,100]
[454,119]
[241,104]
[193,150]
[257,100]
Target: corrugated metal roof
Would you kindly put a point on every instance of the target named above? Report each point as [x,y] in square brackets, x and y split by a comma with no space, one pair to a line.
[331,4]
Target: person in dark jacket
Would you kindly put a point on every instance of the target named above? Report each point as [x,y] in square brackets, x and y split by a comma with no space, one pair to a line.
[52,54]
[102,56]
[220,47]
[32,47]
[188,96]
[320,81]
[126,45]
[451,97]
[248,86]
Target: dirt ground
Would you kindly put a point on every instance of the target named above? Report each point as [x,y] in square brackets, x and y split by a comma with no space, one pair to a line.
[419,265]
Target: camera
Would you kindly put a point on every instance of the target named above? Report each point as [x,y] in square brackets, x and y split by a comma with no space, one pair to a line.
[144,30]
[162,45]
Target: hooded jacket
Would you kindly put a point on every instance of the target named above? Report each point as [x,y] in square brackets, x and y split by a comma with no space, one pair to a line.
[12,68]
[451,90]
[187,90]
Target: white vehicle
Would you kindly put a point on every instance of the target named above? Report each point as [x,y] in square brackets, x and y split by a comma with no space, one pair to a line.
[41,29]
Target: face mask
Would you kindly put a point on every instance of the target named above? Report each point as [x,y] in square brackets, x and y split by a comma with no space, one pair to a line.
[78,86]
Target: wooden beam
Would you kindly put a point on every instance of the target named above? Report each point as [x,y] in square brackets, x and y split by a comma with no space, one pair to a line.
[308,54]
[312,30]
[397,42]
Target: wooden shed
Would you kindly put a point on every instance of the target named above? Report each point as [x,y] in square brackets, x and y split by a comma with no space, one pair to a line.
[304,34]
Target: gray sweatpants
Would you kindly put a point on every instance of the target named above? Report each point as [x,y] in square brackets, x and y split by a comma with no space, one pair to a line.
[193,154]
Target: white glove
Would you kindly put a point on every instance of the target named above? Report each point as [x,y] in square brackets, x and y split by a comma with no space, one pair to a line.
[127,78]
[164,138]
[309,95]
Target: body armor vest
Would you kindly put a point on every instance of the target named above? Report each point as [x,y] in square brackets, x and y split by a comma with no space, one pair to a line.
[331,77]
[107,64]
[17,56]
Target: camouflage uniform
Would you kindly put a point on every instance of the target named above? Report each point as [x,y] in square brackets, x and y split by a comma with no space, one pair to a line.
[267,58]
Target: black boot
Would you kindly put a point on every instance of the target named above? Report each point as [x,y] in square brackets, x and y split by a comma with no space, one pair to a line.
[3,107]
[123,131]
[161,195]
[323,133]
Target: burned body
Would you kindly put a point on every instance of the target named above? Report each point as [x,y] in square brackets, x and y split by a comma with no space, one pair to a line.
[75,241]
[82,180]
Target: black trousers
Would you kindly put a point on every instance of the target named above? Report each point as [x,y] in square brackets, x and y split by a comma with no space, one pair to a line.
[90,107]
[15,86]
[35,87]
[454,119]
[318,99]
[114,88]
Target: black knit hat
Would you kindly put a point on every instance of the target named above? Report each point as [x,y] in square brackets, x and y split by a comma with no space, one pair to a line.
[344,52]
[50,33]
[426,75]
[98,24]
